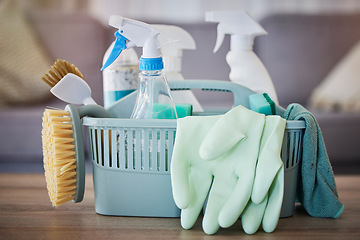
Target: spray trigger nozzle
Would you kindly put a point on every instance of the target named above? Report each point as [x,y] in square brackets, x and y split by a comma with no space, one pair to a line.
[168,43]
[239,24]
[220,36]
[119,46]
[133,33]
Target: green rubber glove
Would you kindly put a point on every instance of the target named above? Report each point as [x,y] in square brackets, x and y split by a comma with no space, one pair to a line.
[268,189]
[191,176]
[217,152]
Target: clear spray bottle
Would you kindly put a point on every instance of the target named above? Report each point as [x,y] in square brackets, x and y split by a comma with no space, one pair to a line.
[154,99]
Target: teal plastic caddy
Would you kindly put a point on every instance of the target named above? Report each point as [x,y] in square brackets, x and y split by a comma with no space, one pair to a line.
[131,157]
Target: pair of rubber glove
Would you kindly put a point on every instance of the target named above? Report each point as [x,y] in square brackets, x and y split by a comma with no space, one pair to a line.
[233,161]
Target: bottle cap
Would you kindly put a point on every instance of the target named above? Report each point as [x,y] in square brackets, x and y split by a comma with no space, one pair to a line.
[151,64]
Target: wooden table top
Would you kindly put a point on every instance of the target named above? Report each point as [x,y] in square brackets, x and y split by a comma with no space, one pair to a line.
[26,213]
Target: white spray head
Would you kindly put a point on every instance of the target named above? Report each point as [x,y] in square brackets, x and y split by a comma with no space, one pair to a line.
[239,24]
[138,33]
[133,33]
[173,40]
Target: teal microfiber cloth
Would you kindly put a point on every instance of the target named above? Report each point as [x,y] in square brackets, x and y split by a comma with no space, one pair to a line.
[318,192]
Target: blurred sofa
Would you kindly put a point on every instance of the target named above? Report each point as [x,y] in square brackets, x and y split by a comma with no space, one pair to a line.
[298,52]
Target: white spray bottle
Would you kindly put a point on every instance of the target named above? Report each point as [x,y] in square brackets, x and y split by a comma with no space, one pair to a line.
[121,77]
[172,56]
[153,99]
[246,68]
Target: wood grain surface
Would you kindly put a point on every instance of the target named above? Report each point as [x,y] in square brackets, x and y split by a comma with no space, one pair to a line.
[26,213]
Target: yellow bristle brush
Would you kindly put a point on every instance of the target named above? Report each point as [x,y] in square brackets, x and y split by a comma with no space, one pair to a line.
[59,156]
[62,142]
[58,71]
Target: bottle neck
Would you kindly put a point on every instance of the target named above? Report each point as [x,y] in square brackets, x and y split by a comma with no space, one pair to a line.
[151,73]
[241,43]
[172,63]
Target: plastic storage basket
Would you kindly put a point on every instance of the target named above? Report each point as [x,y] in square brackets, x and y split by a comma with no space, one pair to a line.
[131,158]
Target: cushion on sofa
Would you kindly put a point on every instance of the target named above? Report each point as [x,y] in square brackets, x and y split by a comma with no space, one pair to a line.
[300,50]
[23,59]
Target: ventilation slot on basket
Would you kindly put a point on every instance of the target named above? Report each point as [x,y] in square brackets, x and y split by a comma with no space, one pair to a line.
[291,149]
[141,150]
[101,145]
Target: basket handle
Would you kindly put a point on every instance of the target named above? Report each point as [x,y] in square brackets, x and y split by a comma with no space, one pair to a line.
[241,93]
[123,108]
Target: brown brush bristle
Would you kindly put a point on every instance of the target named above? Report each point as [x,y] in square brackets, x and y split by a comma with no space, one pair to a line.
[58,71]
[59,156]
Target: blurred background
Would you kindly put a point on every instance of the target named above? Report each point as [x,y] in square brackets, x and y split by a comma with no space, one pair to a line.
[312,53]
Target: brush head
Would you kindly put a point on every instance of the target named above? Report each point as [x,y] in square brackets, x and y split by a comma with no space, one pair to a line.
[60,157]
[59,69]
[73,89]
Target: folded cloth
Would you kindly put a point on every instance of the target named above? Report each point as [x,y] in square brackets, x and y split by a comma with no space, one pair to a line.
[318,192]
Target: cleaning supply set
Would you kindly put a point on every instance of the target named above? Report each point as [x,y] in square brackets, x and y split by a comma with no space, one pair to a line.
[139,188]
[149,161]
[128,164]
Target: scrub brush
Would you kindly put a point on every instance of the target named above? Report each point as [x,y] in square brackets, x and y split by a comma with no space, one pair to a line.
[63,151]
[63,158]
[67,83]
[58,71]
[62,141]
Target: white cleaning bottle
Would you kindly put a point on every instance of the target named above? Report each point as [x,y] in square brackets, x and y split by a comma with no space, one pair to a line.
[154,99]
[179,39]
[246,67]
[121,77]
